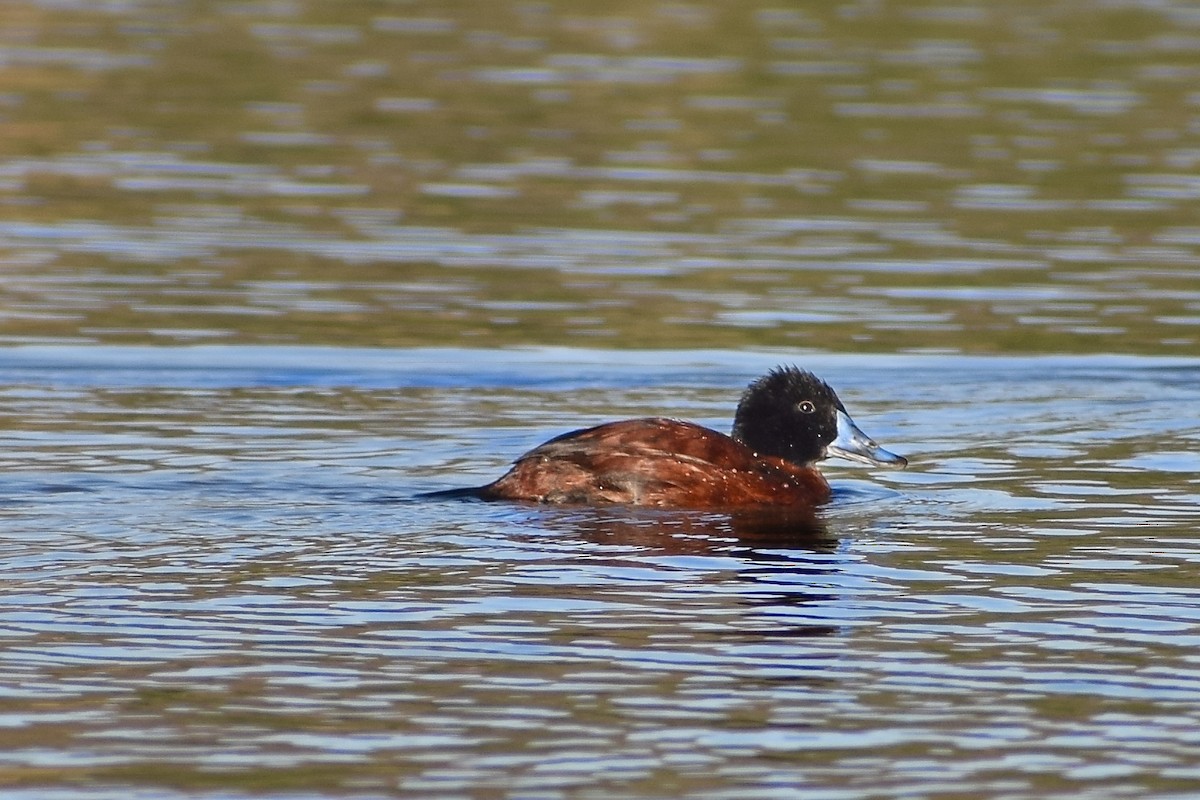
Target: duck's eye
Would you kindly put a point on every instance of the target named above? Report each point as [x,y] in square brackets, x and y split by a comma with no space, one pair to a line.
[806,407]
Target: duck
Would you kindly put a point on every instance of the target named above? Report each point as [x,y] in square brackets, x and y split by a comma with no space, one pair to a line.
[785,423]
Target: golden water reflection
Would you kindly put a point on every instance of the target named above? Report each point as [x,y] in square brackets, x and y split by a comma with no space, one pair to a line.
[854,176]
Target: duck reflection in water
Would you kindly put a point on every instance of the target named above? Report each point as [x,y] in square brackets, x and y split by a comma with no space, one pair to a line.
[785,566]
[786,422]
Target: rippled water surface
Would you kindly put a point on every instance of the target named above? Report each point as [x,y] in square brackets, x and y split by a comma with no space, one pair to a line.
[270,270]
[857,176]
[217,578]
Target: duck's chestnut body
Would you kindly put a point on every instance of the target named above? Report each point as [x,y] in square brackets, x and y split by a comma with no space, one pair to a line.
[786,422]
[656,462]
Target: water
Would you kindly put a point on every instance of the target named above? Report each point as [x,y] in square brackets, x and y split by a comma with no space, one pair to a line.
[217,580]
[269,270]
[860,176]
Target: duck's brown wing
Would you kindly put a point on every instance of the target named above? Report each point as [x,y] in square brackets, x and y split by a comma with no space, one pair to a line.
[657,462]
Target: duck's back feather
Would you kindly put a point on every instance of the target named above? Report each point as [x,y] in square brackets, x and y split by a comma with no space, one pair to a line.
[656,462]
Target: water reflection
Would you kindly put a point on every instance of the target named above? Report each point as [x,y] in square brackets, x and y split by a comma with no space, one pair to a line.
[224,540]
[772,564]
[667,177]
[211,585]
[682,532]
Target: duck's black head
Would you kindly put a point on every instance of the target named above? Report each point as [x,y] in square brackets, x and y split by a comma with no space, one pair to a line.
[796,416]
